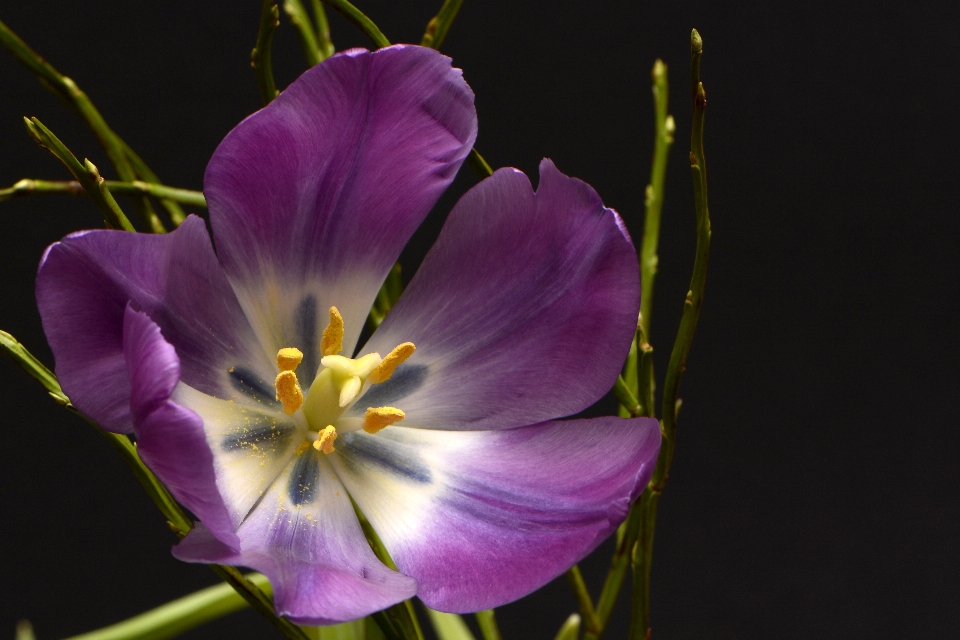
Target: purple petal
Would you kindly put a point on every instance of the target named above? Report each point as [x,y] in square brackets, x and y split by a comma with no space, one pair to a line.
[304,535]
[523,310]
[170,438]
[83,286]
[482,518]
[312,198]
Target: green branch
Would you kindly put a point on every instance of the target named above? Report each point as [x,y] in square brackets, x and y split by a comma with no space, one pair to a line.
[570,630]
[438,26]
[86,174]
[359,20]
[28,187]
[301,22]
[640,614]
[582,594]
[324,43]
[260,56]
[67,90]
[176,518]
[663,140]
[180,615]
[487,621]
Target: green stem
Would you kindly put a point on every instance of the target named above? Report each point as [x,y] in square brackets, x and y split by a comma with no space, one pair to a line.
[640,614]
[582,594]
[180,615]
[626,538]
[28,187]
[67,90]
[176,518]
[359,20]
[628,401]
[478,164]
[399,622]
[146,174]
[488,624]
[663,140]
[324,43]
[438,27]
[86,174]
[301,22]
[260,56]
[570,629]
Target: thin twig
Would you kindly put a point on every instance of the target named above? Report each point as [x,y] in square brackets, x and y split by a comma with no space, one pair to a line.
[301,22]
[68,91]
[439,25]
[359,20]
[86,174]
[260,56]
[29,187]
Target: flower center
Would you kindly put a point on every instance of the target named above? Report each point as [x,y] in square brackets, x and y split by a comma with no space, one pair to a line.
[339,384]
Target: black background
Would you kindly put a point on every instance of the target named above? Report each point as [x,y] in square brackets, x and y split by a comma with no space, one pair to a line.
[814,489]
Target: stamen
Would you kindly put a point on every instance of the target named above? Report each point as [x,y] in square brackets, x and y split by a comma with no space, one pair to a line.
[393,360]
[325,439]
[288,392]
[332,341]
[303,447]
[289,358]
[377,418]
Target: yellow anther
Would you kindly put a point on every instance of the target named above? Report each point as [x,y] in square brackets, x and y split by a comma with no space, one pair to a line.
[332,341]
[327,436]
[393,360]
[376,418]
[289,358]
[288,391]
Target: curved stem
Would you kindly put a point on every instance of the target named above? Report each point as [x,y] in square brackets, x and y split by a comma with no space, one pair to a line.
[182,614]
[360,20]
[261,54]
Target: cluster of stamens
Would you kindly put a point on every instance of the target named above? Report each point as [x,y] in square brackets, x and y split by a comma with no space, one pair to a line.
[338,384]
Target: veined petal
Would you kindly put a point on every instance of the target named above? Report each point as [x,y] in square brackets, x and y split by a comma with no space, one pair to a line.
[83,286]
[170,438]
[250,446]
[523,310]
[312,198]
[482,518]
[304,535]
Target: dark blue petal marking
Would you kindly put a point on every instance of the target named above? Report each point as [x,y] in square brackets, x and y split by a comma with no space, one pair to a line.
[305,321]
[305,478]
[404,381]
[263,433]
[357,450]
[250,385]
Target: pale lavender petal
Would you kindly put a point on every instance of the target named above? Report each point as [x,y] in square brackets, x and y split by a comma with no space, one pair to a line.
[482,518]
[305,536]
[312,198]
[523,310]
[83,286]
[170,438]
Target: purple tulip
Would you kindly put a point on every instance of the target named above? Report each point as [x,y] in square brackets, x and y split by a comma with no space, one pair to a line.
[522,312]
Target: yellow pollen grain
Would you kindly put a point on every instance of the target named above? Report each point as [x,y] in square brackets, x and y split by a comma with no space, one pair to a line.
[289,358]
[393,360]
[377,418]
[325,439]
[303,447]
[289,392]
[332,341]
